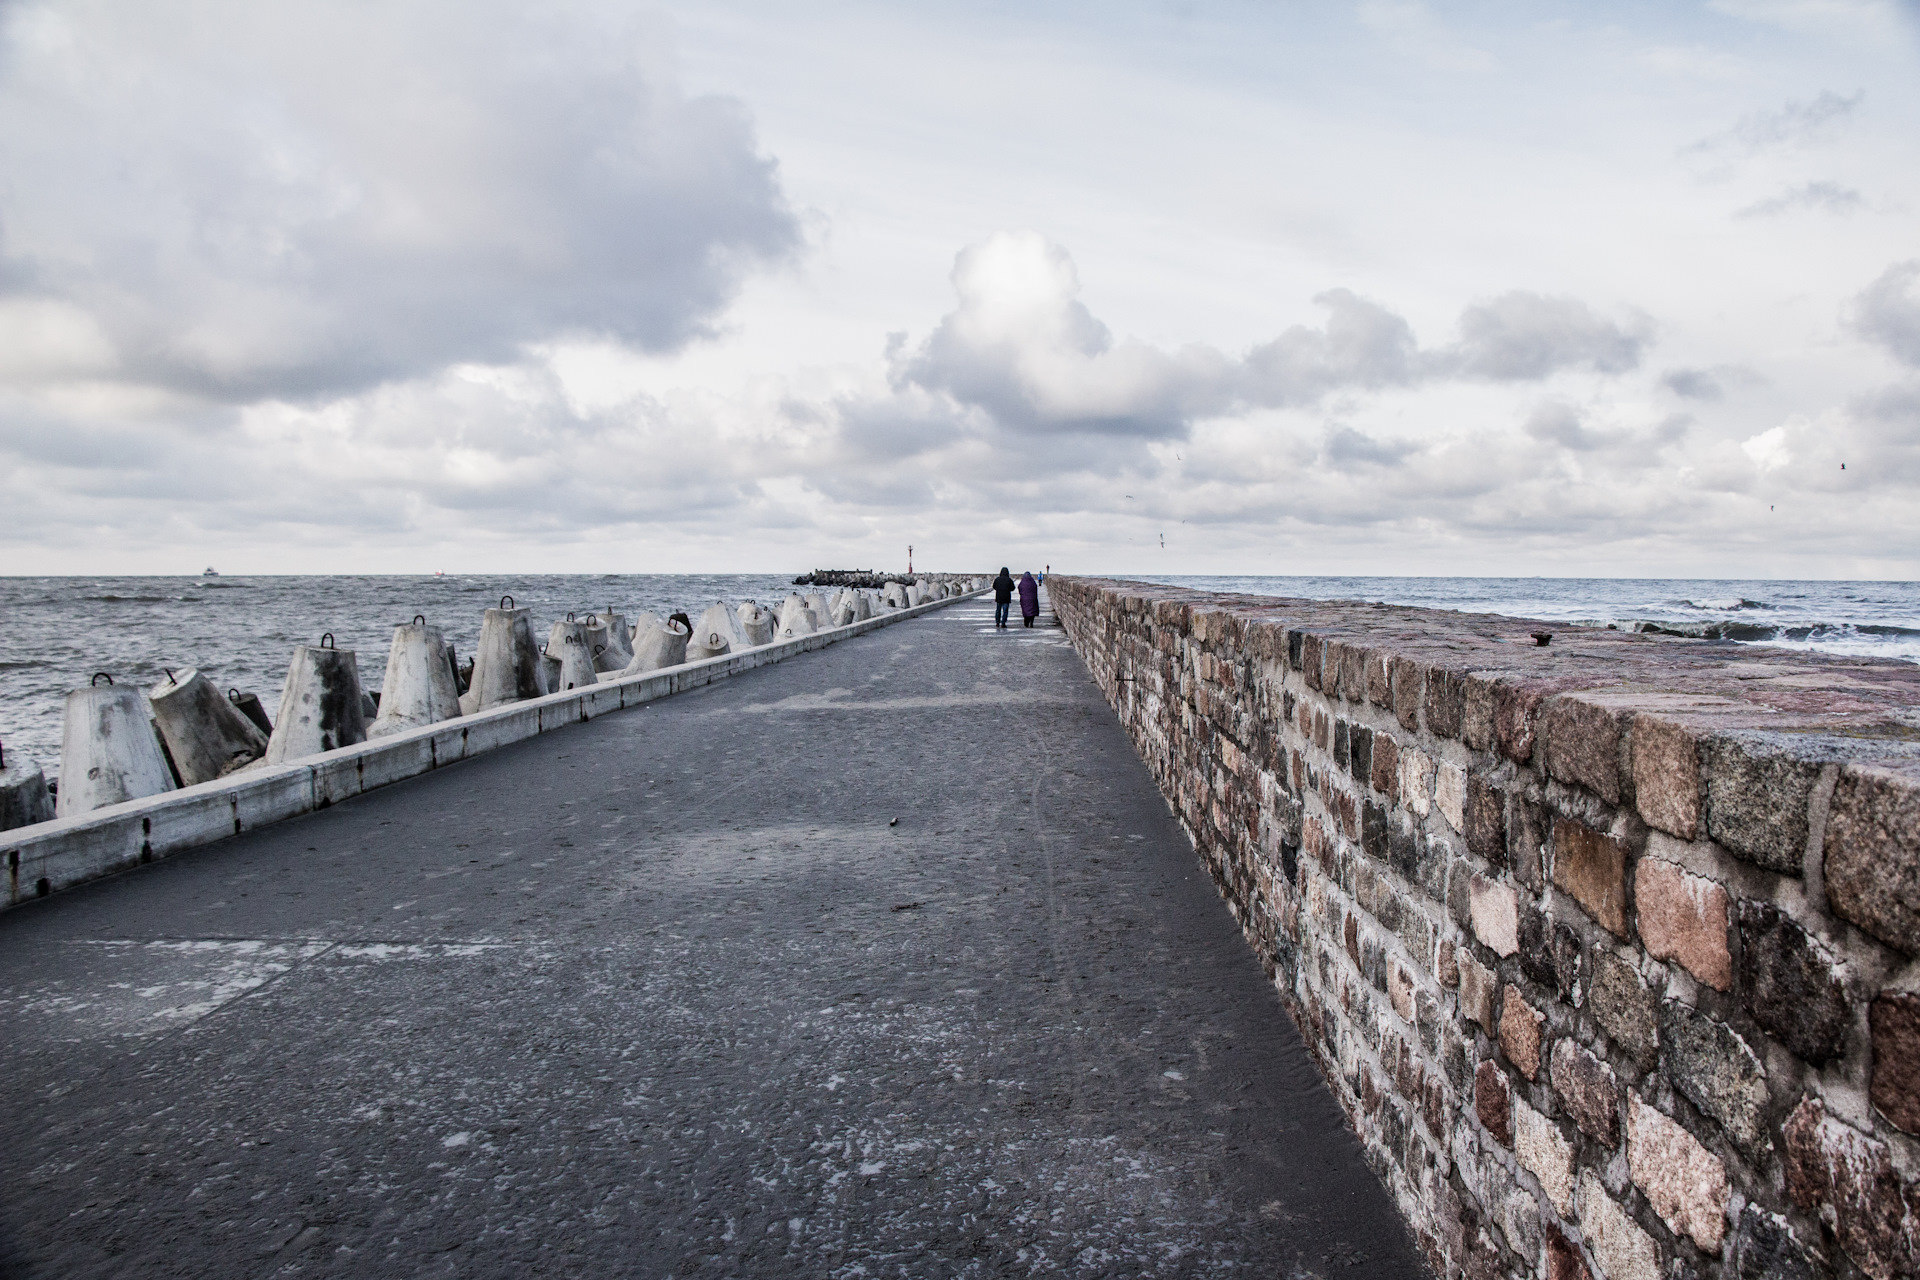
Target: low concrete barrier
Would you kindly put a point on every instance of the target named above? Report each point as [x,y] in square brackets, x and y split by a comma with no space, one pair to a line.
[50,856]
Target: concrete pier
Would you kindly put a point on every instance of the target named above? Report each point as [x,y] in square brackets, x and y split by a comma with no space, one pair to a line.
[588,1006]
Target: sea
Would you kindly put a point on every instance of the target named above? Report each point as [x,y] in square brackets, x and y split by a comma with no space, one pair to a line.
[57,632]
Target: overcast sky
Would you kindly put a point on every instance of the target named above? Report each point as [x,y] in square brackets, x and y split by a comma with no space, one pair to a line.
[1497,287]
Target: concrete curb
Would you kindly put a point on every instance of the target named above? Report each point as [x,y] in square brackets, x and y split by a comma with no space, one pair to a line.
[49,856]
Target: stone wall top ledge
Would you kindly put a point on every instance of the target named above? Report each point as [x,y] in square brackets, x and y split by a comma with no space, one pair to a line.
[1816,706]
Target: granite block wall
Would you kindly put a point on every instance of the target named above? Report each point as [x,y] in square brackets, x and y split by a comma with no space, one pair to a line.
[1607,945]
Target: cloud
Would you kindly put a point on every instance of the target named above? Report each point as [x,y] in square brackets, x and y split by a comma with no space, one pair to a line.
[1693,384]
[1796,124]
[1769,449]
[1023,349]
[1522,336]
[1415,31]
[1824,197]
[1363,346]
[320,198]
[1888,312]
[1873,18]
[1561,424]
[1347,450]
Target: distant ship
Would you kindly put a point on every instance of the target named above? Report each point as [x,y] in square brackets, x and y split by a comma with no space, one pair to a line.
[210,572]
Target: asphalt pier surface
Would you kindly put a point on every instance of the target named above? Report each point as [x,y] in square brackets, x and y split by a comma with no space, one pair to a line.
[885,961]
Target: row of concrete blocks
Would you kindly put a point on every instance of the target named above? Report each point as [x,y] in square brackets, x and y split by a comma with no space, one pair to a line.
[118,746]
[68,850]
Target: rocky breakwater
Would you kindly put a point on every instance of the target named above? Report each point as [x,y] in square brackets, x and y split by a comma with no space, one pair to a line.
[1607,943]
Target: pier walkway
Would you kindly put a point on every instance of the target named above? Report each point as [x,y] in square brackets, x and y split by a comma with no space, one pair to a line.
[888,961]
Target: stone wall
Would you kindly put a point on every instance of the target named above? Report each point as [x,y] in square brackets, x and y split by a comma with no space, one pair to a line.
[1606,946]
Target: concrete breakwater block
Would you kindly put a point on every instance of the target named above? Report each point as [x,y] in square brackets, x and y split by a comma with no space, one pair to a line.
[81,846]
[24,799]
[576,664]
[420,686]
[756,624]
[821,610]
[895,595]
[206,735]
[567,646]
[250,706]
[108,750]
[609,641]
[656,644]
[323,707]
[796,619]
[715,634]
[506,663]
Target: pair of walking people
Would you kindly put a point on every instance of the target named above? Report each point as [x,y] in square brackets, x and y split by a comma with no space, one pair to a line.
[1003,588]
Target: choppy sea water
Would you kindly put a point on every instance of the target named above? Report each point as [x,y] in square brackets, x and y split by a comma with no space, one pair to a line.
[1862,619]
[56,632]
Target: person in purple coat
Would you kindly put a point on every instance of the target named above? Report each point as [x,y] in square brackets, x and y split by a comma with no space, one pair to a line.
[1029,599]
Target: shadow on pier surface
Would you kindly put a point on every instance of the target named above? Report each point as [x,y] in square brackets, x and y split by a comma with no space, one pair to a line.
[667,995]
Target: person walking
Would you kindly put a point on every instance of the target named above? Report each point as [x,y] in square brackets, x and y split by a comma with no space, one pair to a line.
[1029,599]
[1002,596]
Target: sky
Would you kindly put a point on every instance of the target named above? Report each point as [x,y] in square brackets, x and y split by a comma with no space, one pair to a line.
[1501,288]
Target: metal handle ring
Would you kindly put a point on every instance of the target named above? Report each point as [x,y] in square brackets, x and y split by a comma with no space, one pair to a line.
[506,602]
[98,676]
[326,640]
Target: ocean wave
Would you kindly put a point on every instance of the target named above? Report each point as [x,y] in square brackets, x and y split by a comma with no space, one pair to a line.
[1730,604]
[1763,632]
[113,599]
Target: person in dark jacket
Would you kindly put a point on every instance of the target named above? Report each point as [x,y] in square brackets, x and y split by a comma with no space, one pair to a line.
[1029,599]
[1002,596]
